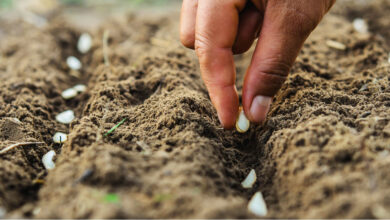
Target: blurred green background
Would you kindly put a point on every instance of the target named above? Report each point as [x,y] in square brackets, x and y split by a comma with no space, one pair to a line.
[9,4]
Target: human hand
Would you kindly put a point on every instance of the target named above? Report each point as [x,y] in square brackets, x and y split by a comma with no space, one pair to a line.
[217,29]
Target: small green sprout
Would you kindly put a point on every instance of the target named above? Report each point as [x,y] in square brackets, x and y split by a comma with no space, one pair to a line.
[111,198]
[115,127]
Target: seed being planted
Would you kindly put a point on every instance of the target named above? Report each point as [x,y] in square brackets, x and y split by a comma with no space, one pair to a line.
[65,117]
[69,93]
[336,45]
[84,43]
[242,123]
[80,88]
[360,25]
[73,63]
[47,160]
[249,180]
[60,137]
[257,205]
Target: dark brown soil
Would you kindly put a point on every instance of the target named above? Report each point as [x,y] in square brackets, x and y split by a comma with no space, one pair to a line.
[323,152]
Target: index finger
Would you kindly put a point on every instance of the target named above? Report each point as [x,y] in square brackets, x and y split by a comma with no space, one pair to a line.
[215,34]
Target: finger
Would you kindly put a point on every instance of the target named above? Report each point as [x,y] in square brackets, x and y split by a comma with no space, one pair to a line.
[216,29]
[248,28]
[187,22]
[285,28]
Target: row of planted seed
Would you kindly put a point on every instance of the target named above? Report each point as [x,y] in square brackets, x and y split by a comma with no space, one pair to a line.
[83,45]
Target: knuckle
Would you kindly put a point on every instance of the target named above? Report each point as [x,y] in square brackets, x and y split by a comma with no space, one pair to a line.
[202,47]
[274,67]
[302,22]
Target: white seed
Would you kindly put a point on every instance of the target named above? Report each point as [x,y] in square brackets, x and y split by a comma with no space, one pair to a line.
[336,45]
[36,211]
[60,137]
[257,205]
[84,43]
[360,25]
[47,160]
[249,180]
[65,117]
[16,120]
[73,63]
[242,123]
[80,88]
[3,211]
[69,93]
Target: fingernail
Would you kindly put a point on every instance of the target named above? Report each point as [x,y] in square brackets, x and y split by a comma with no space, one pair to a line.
[259,108]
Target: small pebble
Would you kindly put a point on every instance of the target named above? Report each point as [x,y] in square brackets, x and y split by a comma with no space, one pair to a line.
[242,123]
[336,45]
[85,42]
[47,160]
[60,137]
[69,93]
[80,88]
[249,180]
[73,63]
[257,205]
[360,25]
[65,117]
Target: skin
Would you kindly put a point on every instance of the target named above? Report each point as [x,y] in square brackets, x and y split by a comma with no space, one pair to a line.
[218,29]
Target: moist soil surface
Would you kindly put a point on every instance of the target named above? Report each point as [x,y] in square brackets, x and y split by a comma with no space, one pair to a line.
[322,153]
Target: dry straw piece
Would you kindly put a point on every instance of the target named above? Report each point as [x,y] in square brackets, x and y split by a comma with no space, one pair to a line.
[5,150]
[242,123]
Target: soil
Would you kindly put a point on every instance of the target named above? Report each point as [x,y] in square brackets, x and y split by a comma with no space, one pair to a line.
[322,153]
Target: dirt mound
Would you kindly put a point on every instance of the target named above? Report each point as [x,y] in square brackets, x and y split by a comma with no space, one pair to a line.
[323,152]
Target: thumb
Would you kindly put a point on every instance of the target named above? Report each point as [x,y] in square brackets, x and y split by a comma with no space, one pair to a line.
[285,28]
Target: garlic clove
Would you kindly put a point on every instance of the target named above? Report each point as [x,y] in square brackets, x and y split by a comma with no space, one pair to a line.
[249,180]
[47,160]
[242,123]
[360,25]
[69,93]
[336,45]
[80,88]
[85,43]
[65,117]
[60,137]
[257,205]
[73,63]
